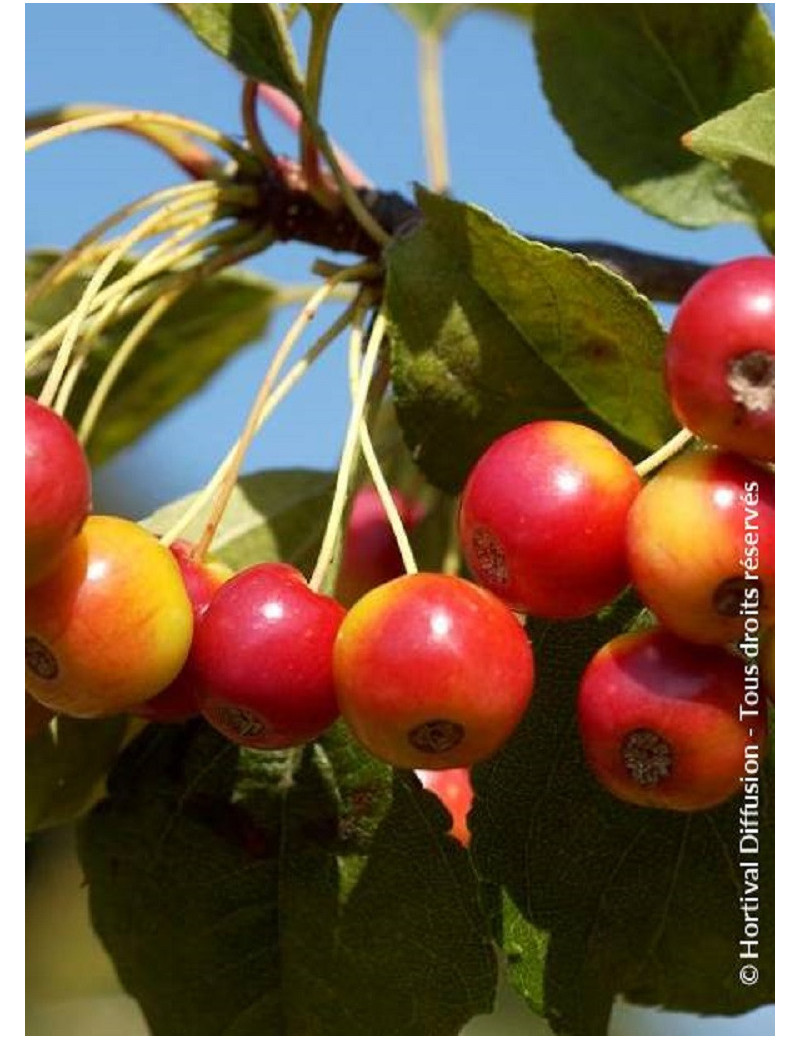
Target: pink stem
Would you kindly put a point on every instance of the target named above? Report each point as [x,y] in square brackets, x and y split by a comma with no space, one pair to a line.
[289,114]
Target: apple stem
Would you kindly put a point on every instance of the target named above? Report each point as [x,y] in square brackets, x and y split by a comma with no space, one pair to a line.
[370,457]
[667,451]
[200,501]
[74,321]
[433,120]
[77,254]
[121,356]
[349,455]
[307,314]
[289,114]
[258,145]
[231,237]
[121,296]
[132,117]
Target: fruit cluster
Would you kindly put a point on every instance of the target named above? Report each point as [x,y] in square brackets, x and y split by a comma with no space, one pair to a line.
[556,522]
[430,671]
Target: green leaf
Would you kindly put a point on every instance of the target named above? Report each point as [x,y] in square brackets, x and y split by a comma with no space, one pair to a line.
[742,141]
[65,766]
[247,37]
[305,892]
[626,81]
[490,330]
[201,331]
[438,18]
[430,18]
[272,515]
[601,898]
[744,132]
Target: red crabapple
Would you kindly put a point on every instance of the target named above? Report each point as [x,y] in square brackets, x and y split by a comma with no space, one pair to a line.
[111,626]
[262,655]
[370,555]
[178,701]
[701,547]
[659,721]
[432,672]
[720,357]
[57,489]
[542,519]
[453,788]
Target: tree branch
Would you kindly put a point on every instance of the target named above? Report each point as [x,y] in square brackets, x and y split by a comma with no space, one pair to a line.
[294,216]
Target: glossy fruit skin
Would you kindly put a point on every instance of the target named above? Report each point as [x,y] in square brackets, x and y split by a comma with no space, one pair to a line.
[58,489]
[691,558]
[453,788]
[660,725]
[720,357]
[370,555]
[262,654]
[178,702]
[432,672]
[111,626]
[542,519]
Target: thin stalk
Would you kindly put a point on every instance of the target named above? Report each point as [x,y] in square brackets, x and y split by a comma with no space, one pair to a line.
[307,314]
[667,451]
[321,25]
[258,145]
[68,384]
[349,455]
[75,256]
[90,292]
[200,501]
[357,208]
[371,458]
[432,106]
[139,298]
[148,267]
[157,261]
[130,117]
[119,360]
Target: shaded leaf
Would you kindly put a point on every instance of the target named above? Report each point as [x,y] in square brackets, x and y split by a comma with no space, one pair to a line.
[65,766]
[245,36]
[205,327]
[490,330]
[244,893]
[272,515]
[626,81]
[602,898]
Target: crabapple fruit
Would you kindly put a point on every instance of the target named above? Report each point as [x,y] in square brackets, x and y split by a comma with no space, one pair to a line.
[432,672]
[178,701]
[720,357]
[262,655]
[701,546]
[660,721]
[542,519]
[453,788]
[111,626]
[57,489]
[370,555]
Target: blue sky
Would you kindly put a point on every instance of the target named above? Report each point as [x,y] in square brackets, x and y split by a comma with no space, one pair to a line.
[506,153]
